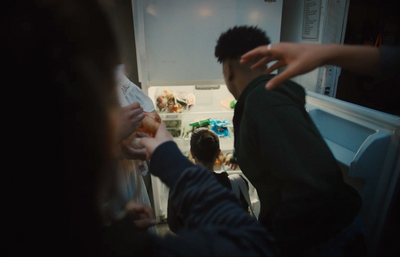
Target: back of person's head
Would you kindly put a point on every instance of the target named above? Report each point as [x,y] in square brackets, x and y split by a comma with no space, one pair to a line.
[204,145]
[61,55]
[238,40]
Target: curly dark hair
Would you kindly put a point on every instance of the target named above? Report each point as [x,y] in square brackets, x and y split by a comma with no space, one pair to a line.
[239,40]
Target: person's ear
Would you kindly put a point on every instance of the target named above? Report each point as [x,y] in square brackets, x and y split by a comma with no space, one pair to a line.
[191,153]
[228,70]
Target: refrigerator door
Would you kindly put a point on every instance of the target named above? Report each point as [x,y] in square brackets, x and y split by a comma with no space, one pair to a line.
[365,143]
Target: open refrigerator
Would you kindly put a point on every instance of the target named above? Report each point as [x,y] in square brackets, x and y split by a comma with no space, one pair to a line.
[175,43]
[211,102]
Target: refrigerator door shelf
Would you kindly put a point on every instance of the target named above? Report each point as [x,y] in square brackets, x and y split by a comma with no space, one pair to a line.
[365,143]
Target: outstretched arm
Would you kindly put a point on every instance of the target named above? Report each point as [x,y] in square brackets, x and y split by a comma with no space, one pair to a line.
[214,222]
[303,58]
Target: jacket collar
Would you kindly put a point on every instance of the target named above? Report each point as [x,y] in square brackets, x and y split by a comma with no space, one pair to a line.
[239,107]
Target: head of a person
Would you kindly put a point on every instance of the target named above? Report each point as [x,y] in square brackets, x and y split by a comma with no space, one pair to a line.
[231,45]
[204,146]
[67,52]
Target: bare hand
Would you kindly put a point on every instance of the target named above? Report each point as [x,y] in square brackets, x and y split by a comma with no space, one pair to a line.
[162,135]
[228,162]
[128,152]
[131,117]
[142,215]
[299,59]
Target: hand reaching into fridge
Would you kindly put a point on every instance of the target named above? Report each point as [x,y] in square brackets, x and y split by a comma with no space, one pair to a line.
[150,144]
[228,162]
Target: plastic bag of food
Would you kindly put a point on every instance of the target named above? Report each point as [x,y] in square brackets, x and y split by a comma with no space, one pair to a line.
[166,101]
[220,127]
[173,102]
[187,100]
[149,125]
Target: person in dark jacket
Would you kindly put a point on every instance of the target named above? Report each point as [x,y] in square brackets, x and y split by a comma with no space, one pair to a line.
[204,148]
[304,199]
[58,203]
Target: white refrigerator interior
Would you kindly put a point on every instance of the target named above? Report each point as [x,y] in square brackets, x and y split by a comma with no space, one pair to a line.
[175,43]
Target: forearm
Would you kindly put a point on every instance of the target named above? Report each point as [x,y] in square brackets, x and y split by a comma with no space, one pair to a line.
[359,59]
[213,217]
[210,212]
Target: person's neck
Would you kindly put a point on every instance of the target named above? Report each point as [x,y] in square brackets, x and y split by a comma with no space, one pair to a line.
[210,167]
[244,79]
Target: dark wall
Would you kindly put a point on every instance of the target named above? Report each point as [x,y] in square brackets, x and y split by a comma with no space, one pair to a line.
[366,19]
[120,12]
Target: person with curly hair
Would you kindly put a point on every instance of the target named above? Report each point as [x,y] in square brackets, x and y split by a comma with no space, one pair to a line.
[304,200]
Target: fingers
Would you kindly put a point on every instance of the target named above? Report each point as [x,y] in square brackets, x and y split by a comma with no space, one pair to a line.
[233,166]
[260,63]
[141,135]
[136,115]
[129,152]
[280,78]
[135,112]
[145,223]
[133,106]
[276,66]
[162,135]
[143,209]
[142,215]
[149,145]
[135,154]
[254,54]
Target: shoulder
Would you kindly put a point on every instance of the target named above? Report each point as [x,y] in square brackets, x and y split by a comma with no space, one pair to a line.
[288,93]
[223,179]
[221,176]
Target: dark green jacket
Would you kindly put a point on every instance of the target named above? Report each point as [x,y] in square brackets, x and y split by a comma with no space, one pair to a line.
[304,199]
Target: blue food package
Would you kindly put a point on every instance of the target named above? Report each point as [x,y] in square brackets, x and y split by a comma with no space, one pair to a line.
[220,127]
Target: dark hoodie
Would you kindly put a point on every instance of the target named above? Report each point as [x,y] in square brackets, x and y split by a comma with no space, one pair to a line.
[304,200]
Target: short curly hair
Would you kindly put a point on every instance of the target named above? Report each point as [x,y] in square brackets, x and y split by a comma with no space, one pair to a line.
[238,40]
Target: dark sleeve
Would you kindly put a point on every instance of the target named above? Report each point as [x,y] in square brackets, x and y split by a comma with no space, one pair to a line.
[214,222]
[174,221]
[390,63]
